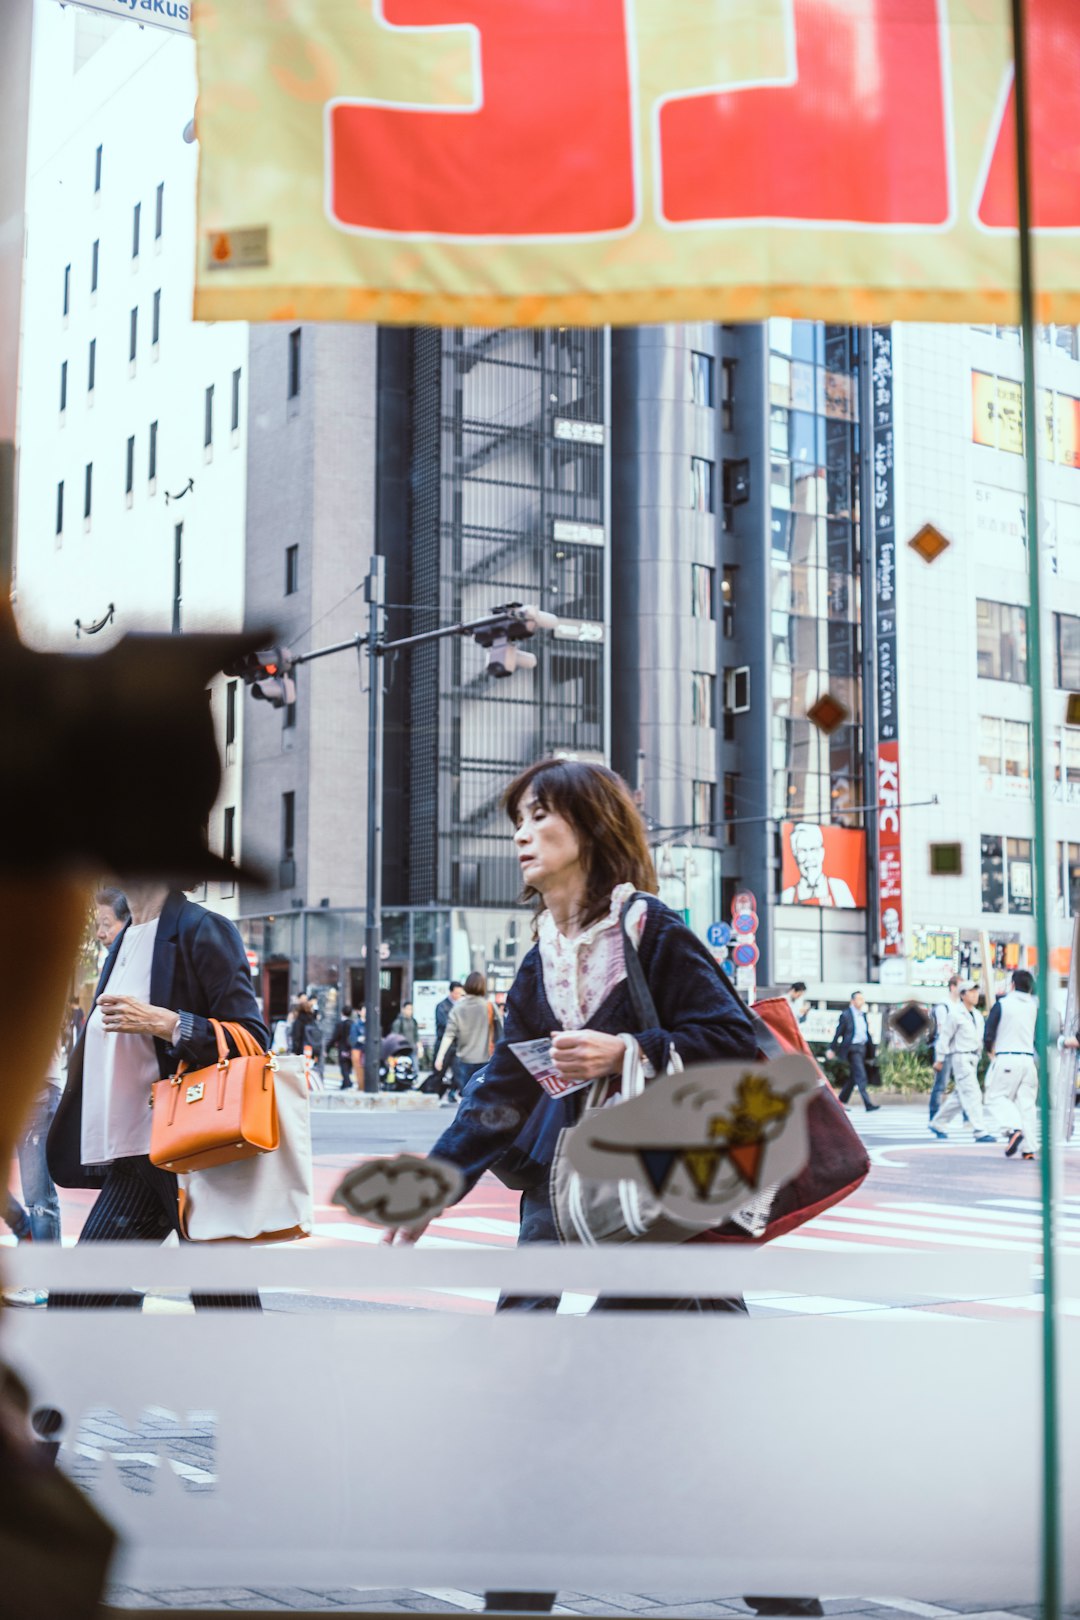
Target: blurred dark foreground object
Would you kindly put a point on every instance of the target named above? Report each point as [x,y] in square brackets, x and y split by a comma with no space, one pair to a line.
[110,761]
[54,1547]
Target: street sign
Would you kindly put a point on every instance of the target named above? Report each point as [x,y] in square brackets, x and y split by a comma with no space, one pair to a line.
[176,15]
[745,954]
[253,959]
[743,901]
[745,922]
[719,933]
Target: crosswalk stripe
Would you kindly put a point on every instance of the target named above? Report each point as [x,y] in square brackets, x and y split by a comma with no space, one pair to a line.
[943,1224]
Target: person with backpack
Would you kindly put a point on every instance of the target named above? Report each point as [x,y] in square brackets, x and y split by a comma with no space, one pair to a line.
[306,1032]
[473,1027]
[340,1041]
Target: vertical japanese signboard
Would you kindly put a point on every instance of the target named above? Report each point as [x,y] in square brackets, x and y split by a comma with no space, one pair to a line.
[890,903]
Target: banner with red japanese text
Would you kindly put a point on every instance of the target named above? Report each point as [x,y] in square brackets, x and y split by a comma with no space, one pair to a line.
[590,161]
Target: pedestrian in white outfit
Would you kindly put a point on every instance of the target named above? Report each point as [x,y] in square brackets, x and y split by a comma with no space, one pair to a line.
[960,1039]
[1012,1082]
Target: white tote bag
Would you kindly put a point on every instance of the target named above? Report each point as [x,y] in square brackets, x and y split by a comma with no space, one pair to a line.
[265,1199]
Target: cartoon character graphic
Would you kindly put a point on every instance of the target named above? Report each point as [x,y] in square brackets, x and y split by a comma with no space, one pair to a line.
[703,1142]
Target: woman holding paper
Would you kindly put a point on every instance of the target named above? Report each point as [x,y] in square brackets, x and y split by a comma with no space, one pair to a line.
[581,847]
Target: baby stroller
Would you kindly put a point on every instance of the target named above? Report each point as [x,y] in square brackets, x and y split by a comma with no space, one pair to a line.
[397,1067]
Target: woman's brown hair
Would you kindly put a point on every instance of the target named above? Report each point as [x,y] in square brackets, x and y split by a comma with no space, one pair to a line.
[608,824]
[476,985]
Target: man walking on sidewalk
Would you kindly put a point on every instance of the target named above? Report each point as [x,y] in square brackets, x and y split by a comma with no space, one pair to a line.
[852,1043]
[959,1043]
[942,1058]
[1012,1081]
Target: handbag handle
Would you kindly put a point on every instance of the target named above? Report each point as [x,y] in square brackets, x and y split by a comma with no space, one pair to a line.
[645,1007]
[243,1039]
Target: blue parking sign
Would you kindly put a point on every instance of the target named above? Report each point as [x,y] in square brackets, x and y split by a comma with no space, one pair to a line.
[719,933]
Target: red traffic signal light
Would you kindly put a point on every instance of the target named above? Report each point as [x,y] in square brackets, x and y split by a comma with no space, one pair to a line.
[269,676]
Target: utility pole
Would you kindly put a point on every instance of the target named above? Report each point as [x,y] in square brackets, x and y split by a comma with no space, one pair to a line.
[373,594]
[269,675]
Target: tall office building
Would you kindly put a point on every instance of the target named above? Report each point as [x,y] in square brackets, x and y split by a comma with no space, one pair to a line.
[132,418]
[963,707]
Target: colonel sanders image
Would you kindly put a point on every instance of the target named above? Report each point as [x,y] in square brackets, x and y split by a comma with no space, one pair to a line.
[814,888]
[890,922]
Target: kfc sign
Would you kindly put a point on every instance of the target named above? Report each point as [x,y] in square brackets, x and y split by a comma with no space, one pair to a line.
[481,162]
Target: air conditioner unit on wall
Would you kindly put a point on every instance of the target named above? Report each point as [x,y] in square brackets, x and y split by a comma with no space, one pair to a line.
[737,689]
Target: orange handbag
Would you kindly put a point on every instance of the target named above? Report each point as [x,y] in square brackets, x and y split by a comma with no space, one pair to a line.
[218,1115]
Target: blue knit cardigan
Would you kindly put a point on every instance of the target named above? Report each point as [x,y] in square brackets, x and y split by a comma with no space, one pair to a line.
[506,1116]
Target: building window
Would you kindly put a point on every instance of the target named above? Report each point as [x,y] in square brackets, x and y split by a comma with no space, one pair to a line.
[228,835]
[1067,766]
[97,170]
[294,363]
[292,570]
[1007,875]
[1068,879]
[702,374]
[230,714]
[178,576]
[133,338]
[1021,889]
[63,385]
[208,418]
[288,826]
[1067,652]
[703,699]
[159,211]
[727,600]
[136,226]
[129,470]
[60,507]
[152,470]
[701,599]
[235,419]
[88,491]
[91,366]
[702,484]
[1005,756]
[704,805]
[727,396]
[993,874]
[731,805]
[1002,641]
[67,289]
[95,260]
[155,320]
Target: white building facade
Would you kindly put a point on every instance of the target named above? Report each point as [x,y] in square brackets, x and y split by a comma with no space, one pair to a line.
[132,419]
[964,660]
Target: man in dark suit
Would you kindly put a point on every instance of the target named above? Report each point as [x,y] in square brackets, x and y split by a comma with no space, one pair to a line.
[852,1043]
[446,1078]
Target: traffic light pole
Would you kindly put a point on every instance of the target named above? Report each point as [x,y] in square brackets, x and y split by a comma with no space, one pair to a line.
[500,632]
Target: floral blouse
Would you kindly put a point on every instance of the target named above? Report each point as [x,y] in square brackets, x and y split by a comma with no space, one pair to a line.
[580,973]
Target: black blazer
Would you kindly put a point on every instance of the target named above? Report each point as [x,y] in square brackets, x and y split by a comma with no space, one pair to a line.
[845,1030]
[199,968]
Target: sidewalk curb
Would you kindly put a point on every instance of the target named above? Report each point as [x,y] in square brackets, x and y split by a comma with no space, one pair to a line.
[377,1101]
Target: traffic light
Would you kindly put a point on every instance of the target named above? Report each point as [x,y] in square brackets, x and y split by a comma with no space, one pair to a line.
[269,674]
[507,627]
